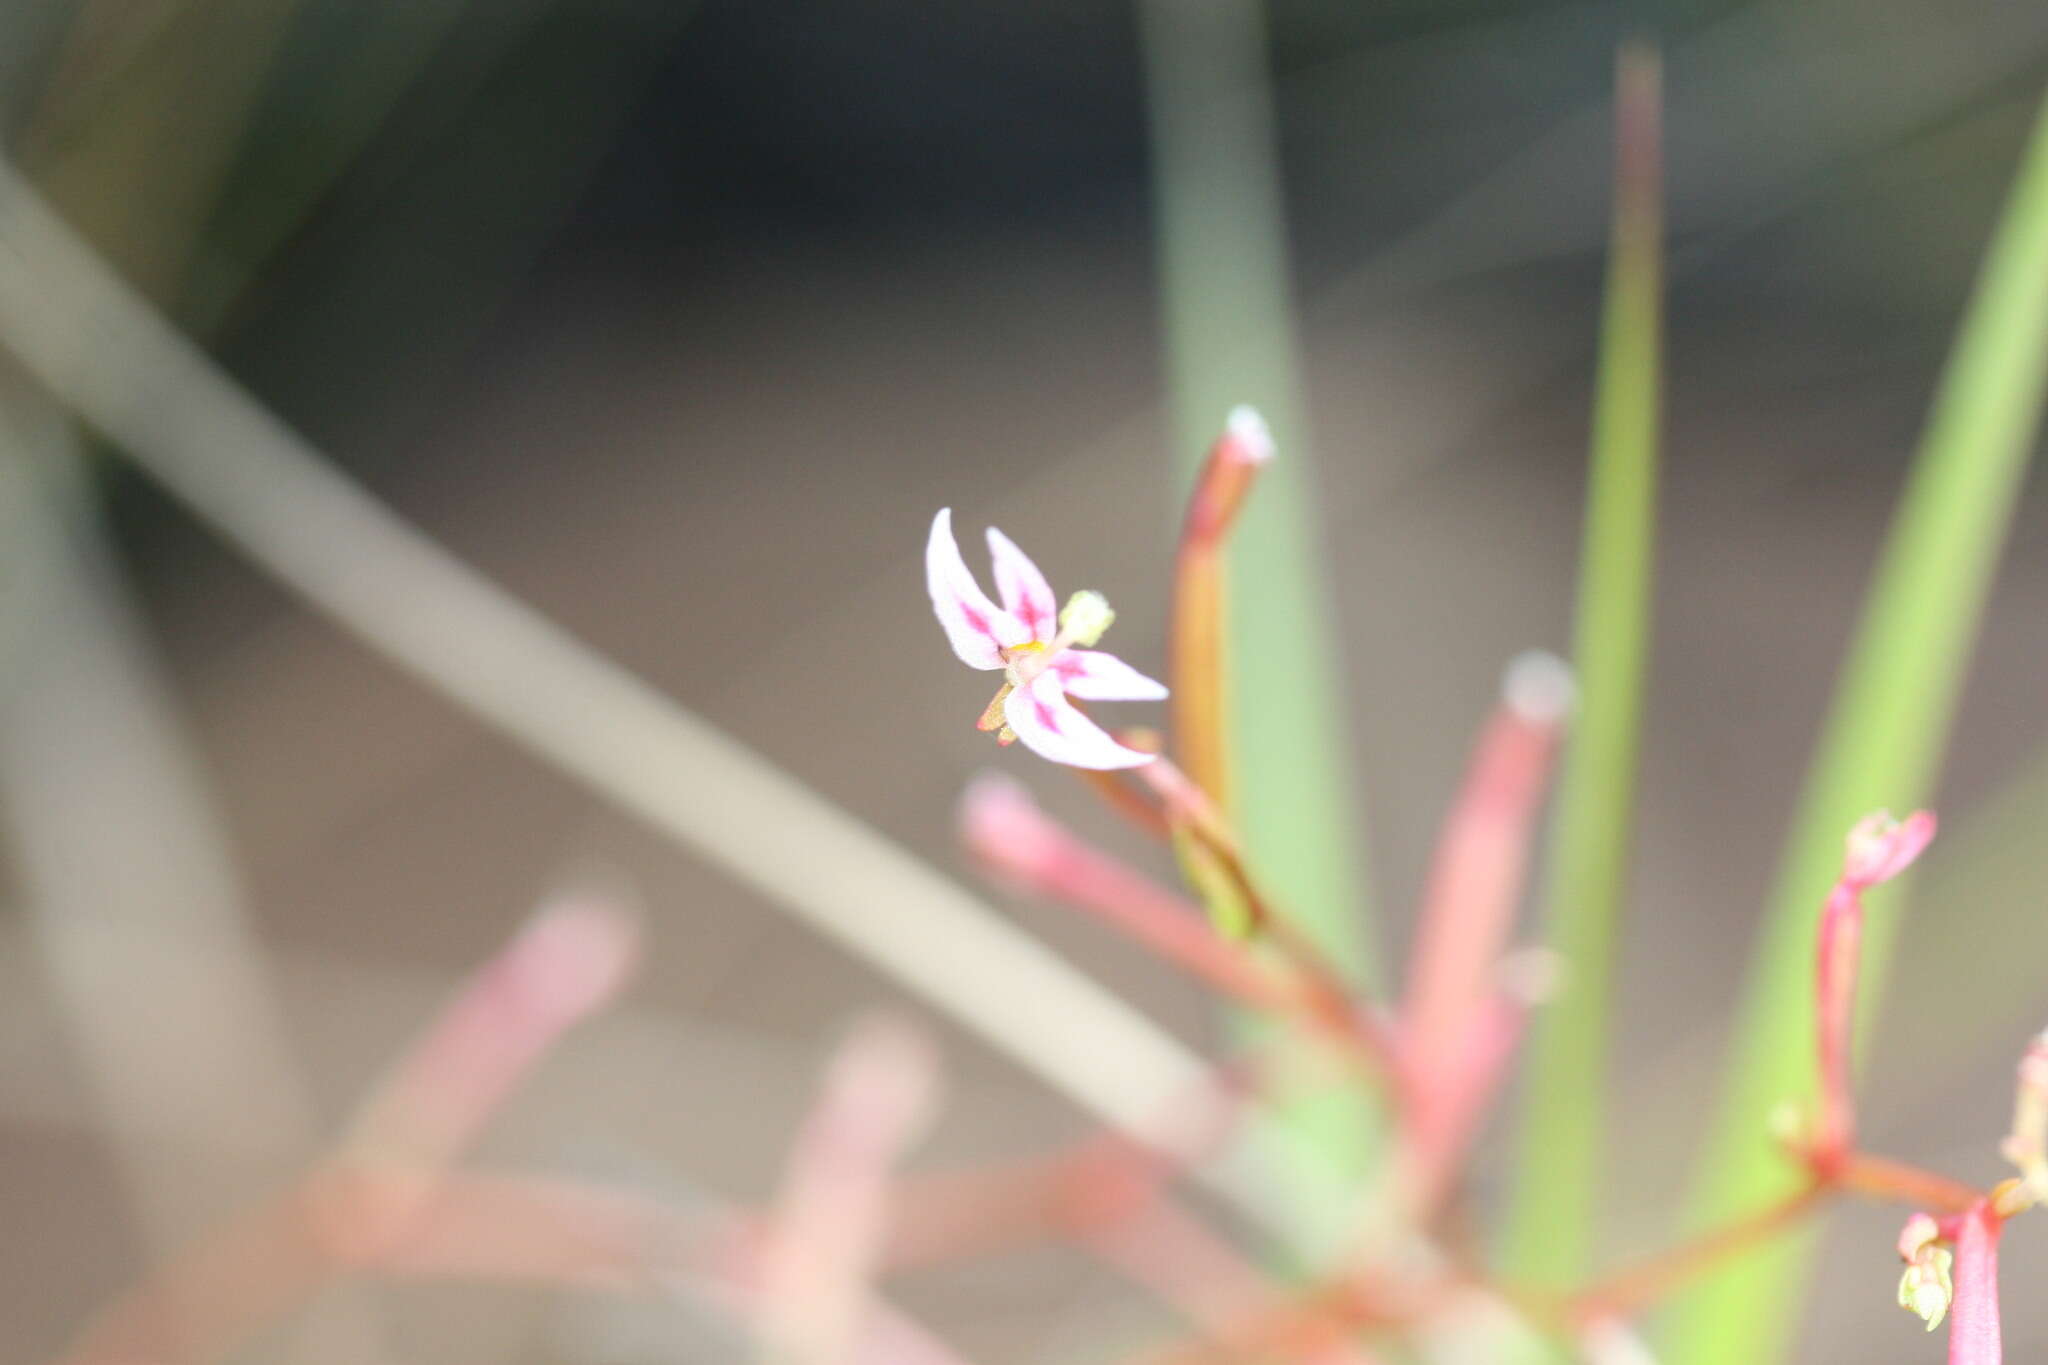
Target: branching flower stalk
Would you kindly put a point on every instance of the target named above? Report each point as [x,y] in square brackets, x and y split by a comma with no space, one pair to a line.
[1467,994]
[395,1197]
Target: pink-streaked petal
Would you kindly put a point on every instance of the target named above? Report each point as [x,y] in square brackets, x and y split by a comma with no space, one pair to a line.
[977,628]
[1050,726]
[1092,675]
[1025,593]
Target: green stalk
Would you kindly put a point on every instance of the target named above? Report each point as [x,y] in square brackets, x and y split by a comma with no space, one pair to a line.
[1231,339]
[1553,1212]
[1881,747]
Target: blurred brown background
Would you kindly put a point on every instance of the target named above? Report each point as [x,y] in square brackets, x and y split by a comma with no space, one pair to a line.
[679,320]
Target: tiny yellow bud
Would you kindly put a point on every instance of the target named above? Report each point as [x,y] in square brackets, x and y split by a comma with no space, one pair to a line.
[1926,1289]
[1085,617]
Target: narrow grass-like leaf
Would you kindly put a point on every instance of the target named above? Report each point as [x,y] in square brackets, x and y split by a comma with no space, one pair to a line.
[1554,1205]
[1230,340]
[1881,747]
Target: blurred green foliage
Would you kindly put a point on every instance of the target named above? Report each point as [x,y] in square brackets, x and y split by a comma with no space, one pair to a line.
[1881,747]
[1553,1216]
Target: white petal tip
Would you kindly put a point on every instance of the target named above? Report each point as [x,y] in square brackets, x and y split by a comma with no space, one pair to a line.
[1250,432]
[1538,687]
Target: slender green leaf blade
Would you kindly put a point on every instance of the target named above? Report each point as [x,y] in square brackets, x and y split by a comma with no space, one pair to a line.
[1231,339]
[1554,1208]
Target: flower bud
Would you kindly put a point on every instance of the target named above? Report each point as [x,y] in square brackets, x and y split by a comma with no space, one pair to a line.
[1927,1289]
[1247,430]
[1880,847]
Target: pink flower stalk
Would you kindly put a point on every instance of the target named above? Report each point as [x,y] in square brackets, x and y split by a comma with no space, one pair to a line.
[1003,827]
[1446,1112]
[1453,1023]
[1973,1336]
[1879,848]
[389,1193]
[1200,606]
[1187,807]
[565,964]
[557,1234]
[826,1236]
[568,962]
[1035,643]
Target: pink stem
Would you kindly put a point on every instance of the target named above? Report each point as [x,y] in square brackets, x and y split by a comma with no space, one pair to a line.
[824,1241]
[1004,828]
[1451,1035]
[1445,1133]
[556,1233]
[569,961]
[1879,848]
[1973,1336]
[1835,965]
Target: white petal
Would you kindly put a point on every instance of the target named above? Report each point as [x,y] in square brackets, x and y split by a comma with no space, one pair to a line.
[1092,675]
[1050,726]
[977,627]
[1024,591]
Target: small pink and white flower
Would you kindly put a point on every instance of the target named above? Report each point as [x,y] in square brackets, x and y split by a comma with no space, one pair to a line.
[1035,643]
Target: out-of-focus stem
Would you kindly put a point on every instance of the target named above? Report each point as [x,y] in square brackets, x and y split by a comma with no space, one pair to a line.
[1631,1290]
[1008,832]
[1189,809]
[477,1227]
[1878,1177]
[826,1234]
[1859,1173]
[438,1097]
[1841,937]
[2026,1146]
[372,1196]
[1450,1030]
[569,962]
